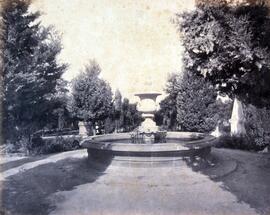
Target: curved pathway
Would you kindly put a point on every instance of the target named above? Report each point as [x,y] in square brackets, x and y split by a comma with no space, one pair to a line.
[65,184]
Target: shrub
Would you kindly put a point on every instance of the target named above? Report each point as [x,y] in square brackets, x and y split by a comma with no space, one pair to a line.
[257,131]
[18,147]
[257,126]
[237,142]
[53,144]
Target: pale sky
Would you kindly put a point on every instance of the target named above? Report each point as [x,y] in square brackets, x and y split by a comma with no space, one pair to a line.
[133,41]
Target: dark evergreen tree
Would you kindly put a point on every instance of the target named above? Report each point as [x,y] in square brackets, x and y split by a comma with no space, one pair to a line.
[91,96]
[31,75]
[230,46]
[131,118]
[166,115]
[192,105]
[117,109]
[196,104]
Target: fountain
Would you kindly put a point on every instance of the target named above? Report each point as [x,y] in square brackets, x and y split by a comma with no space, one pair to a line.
[147,145]
[148,130]
[147,107]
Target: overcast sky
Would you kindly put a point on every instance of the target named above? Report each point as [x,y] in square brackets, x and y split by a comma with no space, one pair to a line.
[134,41]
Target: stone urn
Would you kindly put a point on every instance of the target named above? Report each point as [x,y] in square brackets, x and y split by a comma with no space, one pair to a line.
[147,106]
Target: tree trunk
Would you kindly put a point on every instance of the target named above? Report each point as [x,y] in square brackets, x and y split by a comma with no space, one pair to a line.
[237,119]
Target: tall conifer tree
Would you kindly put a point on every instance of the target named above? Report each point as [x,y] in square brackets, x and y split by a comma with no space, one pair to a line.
[31,74]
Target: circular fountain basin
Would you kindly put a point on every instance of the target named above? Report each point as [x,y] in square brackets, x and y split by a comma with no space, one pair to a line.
[119,148]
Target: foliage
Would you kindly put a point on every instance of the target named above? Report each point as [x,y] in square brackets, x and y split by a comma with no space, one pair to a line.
[237,142]
[192,105]
[166,115]
[224,112]
[109,125]
[229,2]
[196,104]
[230,47]
[118,101]
[92,101]
[124,115]
[257,126]
[117,108]
[131,118]
[55,132]
[91,95]
[257,135]
[52,144]
[33,87]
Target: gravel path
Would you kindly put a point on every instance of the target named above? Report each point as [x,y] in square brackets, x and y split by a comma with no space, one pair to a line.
[176,190]
[65,183]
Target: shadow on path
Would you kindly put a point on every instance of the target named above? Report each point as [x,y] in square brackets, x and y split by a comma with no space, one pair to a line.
[245,174]
[26,193]
[11,164]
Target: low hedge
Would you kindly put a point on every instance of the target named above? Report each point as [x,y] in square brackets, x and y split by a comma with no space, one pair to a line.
[257,137]
[239,142]
[53,144]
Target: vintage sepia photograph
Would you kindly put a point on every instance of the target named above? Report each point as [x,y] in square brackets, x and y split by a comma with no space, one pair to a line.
[134,107]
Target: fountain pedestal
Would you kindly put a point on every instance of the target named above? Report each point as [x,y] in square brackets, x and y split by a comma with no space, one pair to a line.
[147,106]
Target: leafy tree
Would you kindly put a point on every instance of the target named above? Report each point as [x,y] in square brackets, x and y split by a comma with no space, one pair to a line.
[229,2]
[230,47]
[91,95]
[31,74]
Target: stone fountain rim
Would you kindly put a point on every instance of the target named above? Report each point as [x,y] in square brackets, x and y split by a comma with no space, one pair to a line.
[102,142]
